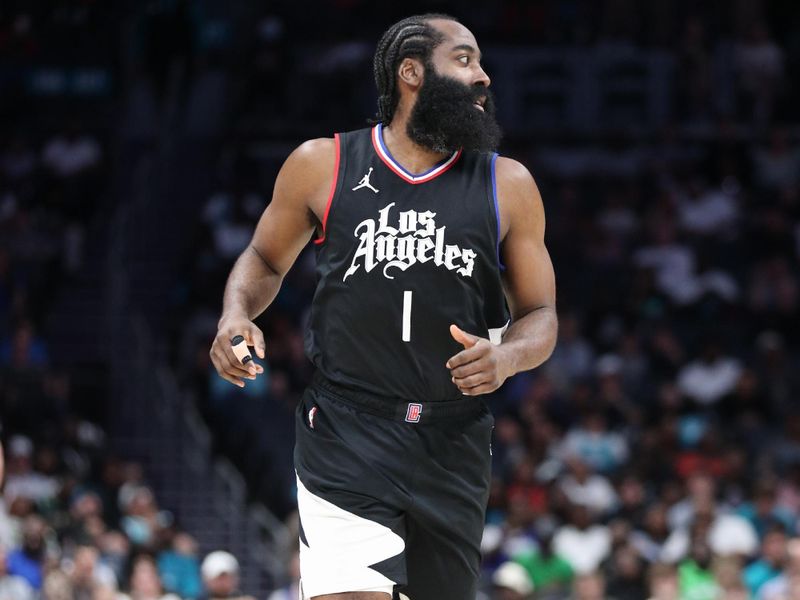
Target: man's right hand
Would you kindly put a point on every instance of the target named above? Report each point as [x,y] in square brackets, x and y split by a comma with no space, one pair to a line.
[225,361]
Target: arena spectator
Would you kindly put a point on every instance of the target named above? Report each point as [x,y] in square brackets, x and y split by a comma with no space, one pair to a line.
[29,560]
[583,543]
[764,513]
[590,586]
[145,583]
[114,550]
[728,575]
[87,574]
[707,211]
[511,582]
[592,441]
[220,572]
[588,489]
[57,586]
[13,587]
[179,567]
[22,479]
[697,581]
[550,573]
[652,534]
[709,377]
[771,562]
[787,583]
[142,520]
[663,582]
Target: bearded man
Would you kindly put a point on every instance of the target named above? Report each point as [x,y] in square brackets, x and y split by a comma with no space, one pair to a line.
[433,287]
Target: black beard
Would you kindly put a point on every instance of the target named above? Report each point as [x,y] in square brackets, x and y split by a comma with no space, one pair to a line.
[445,119]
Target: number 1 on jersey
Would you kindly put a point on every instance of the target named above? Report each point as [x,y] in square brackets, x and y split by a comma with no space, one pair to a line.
[407,315]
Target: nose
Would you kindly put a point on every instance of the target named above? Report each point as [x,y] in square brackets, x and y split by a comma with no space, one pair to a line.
[481,78]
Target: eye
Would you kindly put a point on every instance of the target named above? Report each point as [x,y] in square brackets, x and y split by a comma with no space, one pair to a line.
[464,59]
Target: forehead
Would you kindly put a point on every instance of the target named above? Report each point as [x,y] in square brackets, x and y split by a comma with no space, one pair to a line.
[455,34]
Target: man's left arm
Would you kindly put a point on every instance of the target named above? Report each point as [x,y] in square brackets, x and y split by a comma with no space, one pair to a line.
[529,284]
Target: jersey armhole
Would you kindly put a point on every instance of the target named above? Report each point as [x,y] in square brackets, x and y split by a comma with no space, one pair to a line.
[496,205]
[333,189]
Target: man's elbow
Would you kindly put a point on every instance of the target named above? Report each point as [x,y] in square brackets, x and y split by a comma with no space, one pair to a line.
[267,264]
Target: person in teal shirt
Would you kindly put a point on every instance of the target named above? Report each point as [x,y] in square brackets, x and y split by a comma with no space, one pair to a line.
[769,566]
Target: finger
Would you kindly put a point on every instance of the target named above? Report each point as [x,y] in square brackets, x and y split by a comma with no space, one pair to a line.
[472,381]
[467,356]
[232,356]
[255,337]
[236,368]
[481,389]
[221,372]
[233,380]
[462,337]
[476,366]
[243,360]
[240,349]
[230,364]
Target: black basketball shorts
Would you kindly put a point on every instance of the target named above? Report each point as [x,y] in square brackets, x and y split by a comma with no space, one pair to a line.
[391,494]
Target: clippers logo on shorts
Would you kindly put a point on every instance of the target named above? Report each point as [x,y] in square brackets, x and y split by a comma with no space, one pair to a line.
[414,412]
[415,239]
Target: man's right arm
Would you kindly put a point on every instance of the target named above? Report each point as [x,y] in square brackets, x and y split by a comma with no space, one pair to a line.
[298,205]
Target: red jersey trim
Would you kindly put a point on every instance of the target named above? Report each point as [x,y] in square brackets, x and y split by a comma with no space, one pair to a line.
[331,193]
[383,152]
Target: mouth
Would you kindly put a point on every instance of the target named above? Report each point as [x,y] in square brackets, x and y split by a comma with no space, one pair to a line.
[479,103]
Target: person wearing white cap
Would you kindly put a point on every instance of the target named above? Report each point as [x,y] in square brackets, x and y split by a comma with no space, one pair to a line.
[220,572]
[512,582]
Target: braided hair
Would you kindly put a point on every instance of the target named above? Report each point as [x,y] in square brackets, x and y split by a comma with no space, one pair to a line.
[411,37]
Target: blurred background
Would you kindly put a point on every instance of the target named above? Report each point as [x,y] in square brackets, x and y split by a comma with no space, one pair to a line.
[657,453]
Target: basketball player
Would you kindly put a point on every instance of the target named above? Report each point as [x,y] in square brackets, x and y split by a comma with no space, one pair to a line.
[422,235]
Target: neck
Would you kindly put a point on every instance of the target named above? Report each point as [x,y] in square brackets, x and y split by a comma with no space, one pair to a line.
[413,157]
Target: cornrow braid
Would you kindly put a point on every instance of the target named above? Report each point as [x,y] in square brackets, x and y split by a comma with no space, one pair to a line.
[411,37]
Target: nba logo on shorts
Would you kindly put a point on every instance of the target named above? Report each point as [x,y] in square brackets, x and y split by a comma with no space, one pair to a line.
[413,413]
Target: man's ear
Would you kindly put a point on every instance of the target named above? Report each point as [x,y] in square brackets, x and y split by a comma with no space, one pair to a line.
[411,72]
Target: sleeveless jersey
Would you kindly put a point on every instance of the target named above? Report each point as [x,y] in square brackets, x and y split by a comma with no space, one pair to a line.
[401,257]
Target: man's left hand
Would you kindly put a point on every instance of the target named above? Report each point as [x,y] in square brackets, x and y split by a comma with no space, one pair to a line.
[480,368]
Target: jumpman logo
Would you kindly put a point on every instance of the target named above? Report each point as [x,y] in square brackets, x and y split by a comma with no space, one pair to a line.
[365,182]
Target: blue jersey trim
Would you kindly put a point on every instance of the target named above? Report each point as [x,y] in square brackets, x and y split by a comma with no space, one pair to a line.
[496,211]
[399,166]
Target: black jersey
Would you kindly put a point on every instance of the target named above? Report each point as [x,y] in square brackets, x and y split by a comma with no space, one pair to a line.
[402,257]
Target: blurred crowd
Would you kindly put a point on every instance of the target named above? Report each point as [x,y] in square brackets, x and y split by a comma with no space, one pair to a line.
[78,524]
[75,522]
[656,455]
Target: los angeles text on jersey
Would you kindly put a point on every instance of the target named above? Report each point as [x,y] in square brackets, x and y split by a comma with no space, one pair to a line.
[415,239]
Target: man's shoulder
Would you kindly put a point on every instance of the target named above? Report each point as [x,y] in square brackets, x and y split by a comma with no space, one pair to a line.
[512,171]
[310,165]
[313,150]
[517,192]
